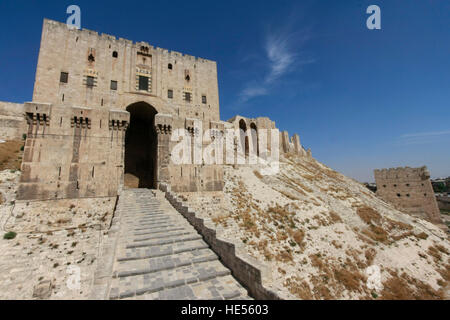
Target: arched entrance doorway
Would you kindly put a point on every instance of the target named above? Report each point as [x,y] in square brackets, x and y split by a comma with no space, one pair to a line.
[255,139]
[243,137]
[141,147]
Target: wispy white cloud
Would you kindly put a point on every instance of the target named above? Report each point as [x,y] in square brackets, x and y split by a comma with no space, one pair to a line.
[280,55]
[252,91]
[425,134]
[422,137]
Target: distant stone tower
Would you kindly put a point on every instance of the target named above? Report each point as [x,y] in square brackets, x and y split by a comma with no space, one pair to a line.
[409,190]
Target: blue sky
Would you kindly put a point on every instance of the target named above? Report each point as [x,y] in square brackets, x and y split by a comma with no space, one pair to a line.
[360,99]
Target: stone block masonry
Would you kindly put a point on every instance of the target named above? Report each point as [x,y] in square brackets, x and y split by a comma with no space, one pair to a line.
[105,108]
[409,190]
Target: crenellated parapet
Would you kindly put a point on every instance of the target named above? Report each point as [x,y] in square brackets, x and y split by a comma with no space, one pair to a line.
[403,173]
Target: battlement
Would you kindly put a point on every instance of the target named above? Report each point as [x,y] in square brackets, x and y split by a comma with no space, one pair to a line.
[421,173]
[121,41]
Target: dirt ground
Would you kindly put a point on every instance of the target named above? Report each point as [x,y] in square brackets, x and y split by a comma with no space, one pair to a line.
[11,155]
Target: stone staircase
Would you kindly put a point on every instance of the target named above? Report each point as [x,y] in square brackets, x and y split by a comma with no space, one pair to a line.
[159,255]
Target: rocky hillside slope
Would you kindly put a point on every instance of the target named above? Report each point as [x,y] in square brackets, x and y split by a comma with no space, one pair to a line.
[324,235]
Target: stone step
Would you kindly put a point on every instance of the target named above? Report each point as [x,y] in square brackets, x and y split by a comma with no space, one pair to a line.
[162,235]
[154,218]
[159,230]
[151,224]
[166,225]
[151,265]
[143,215]
[223,288]
[160,255]
[160,251]
[126,287]
[158,242]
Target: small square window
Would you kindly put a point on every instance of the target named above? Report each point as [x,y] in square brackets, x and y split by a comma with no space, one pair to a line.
[204,99]
[143,83]
[113,85]
[187,96]
[90,81]
[170,94]
[64,78]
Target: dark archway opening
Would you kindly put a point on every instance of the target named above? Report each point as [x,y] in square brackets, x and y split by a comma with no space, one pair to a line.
[141,147]
[244,137]
[255,139]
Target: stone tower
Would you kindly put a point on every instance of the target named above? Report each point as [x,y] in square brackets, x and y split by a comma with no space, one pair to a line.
[104,106]
[409,190]
[107,113]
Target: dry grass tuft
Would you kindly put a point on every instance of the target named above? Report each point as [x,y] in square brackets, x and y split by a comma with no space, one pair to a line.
[10,155]
[335,218]
[435,253]
[421,235]
[258,174]
[298,236]
[249,225]
[370,255]
[336,244]
[221,219]
[441,248]
[289,195]
[350,279]
[284,256]
[405,287]
[377,234]
[299,288]
[368,215]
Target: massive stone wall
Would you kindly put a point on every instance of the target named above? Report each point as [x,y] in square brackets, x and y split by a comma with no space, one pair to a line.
[84,53]
[89,88]
[72,152]
[12,121]
[409,190]
[250,126]
[84,84]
